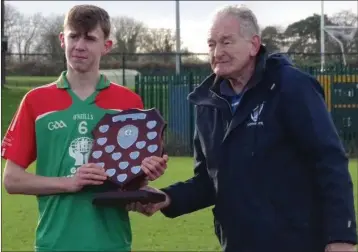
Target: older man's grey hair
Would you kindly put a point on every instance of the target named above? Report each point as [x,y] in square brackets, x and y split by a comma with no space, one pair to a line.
[247,19]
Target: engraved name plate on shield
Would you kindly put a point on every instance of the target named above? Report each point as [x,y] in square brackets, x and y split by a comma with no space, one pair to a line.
[121,141]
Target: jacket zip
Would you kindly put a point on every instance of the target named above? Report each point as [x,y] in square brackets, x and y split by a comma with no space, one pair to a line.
[231,112]
[223,100]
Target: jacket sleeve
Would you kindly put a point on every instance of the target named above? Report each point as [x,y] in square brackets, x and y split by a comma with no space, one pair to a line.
[195,193]
[310,124]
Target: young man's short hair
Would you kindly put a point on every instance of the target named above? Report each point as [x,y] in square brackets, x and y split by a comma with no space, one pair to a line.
[84,18]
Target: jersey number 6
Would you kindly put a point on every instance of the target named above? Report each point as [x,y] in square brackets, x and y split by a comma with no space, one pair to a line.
[82,127]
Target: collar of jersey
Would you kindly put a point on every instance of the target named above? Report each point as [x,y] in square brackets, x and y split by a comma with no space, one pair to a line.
[62,82]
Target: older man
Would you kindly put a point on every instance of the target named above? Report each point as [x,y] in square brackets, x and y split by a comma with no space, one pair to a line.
[267,154]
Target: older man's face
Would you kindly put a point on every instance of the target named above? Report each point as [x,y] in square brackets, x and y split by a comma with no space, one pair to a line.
[229,51]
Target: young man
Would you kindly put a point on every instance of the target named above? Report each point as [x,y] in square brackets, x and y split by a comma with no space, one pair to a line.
[53,126]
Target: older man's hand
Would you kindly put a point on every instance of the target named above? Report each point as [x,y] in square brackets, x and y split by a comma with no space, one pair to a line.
[154,167]
[340,247]
[149,209]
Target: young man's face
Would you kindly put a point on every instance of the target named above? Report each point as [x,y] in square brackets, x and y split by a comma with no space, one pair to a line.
[84,50]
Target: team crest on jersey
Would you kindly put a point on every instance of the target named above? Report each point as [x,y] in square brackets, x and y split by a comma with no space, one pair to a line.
[79,150]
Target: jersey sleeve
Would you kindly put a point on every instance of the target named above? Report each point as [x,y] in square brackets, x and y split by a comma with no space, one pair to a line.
[19,143]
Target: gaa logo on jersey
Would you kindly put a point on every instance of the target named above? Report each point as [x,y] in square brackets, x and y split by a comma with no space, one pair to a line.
[56,125]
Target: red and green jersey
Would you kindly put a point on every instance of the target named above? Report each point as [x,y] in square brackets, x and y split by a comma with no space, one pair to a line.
[53,126]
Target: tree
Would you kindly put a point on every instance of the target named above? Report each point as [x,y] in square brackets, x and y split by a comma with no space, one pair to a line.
[349,19]
[24,33]
[272,38]
[128,34]
[48,41]
[304,37]
[160,41]
[11,15]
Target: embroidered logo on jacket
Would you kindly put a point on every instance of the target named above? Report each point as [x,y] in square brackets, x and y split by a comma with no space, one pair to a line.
[255,116]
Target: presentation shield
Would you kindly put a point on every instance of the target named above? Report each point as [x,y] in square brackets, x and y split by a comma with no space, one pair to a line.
[121,142]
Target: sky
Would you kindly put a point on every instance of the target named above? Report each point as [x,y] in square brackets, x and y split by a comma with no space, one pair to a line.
[194,15]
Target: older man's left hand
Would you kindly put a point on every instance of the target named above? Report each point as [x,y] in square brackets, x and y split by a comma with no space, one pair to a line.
[340,247]
[154,167]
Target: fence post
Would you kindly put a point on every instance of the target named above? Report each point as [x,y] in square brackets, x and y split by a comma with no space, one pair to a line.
[124,70]
[191,113]
[136,84]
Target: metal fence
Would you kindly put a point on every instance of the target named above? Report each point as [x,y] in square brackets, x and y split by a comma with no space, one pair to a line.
[168,93]
[50,64]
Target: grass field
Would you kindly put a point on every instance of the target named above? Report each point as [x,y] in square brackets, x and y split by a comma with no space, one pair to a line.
[29,81]
[188,233]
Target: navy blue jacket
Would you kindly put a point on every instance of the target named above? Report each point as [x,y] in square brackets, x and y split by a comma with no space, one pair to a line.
[275,170]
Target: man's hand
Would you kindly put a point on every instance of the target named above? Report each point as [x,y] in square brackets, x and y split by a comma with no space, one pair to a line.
[149,209]
[154,167]
[340,247]
[88,174]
